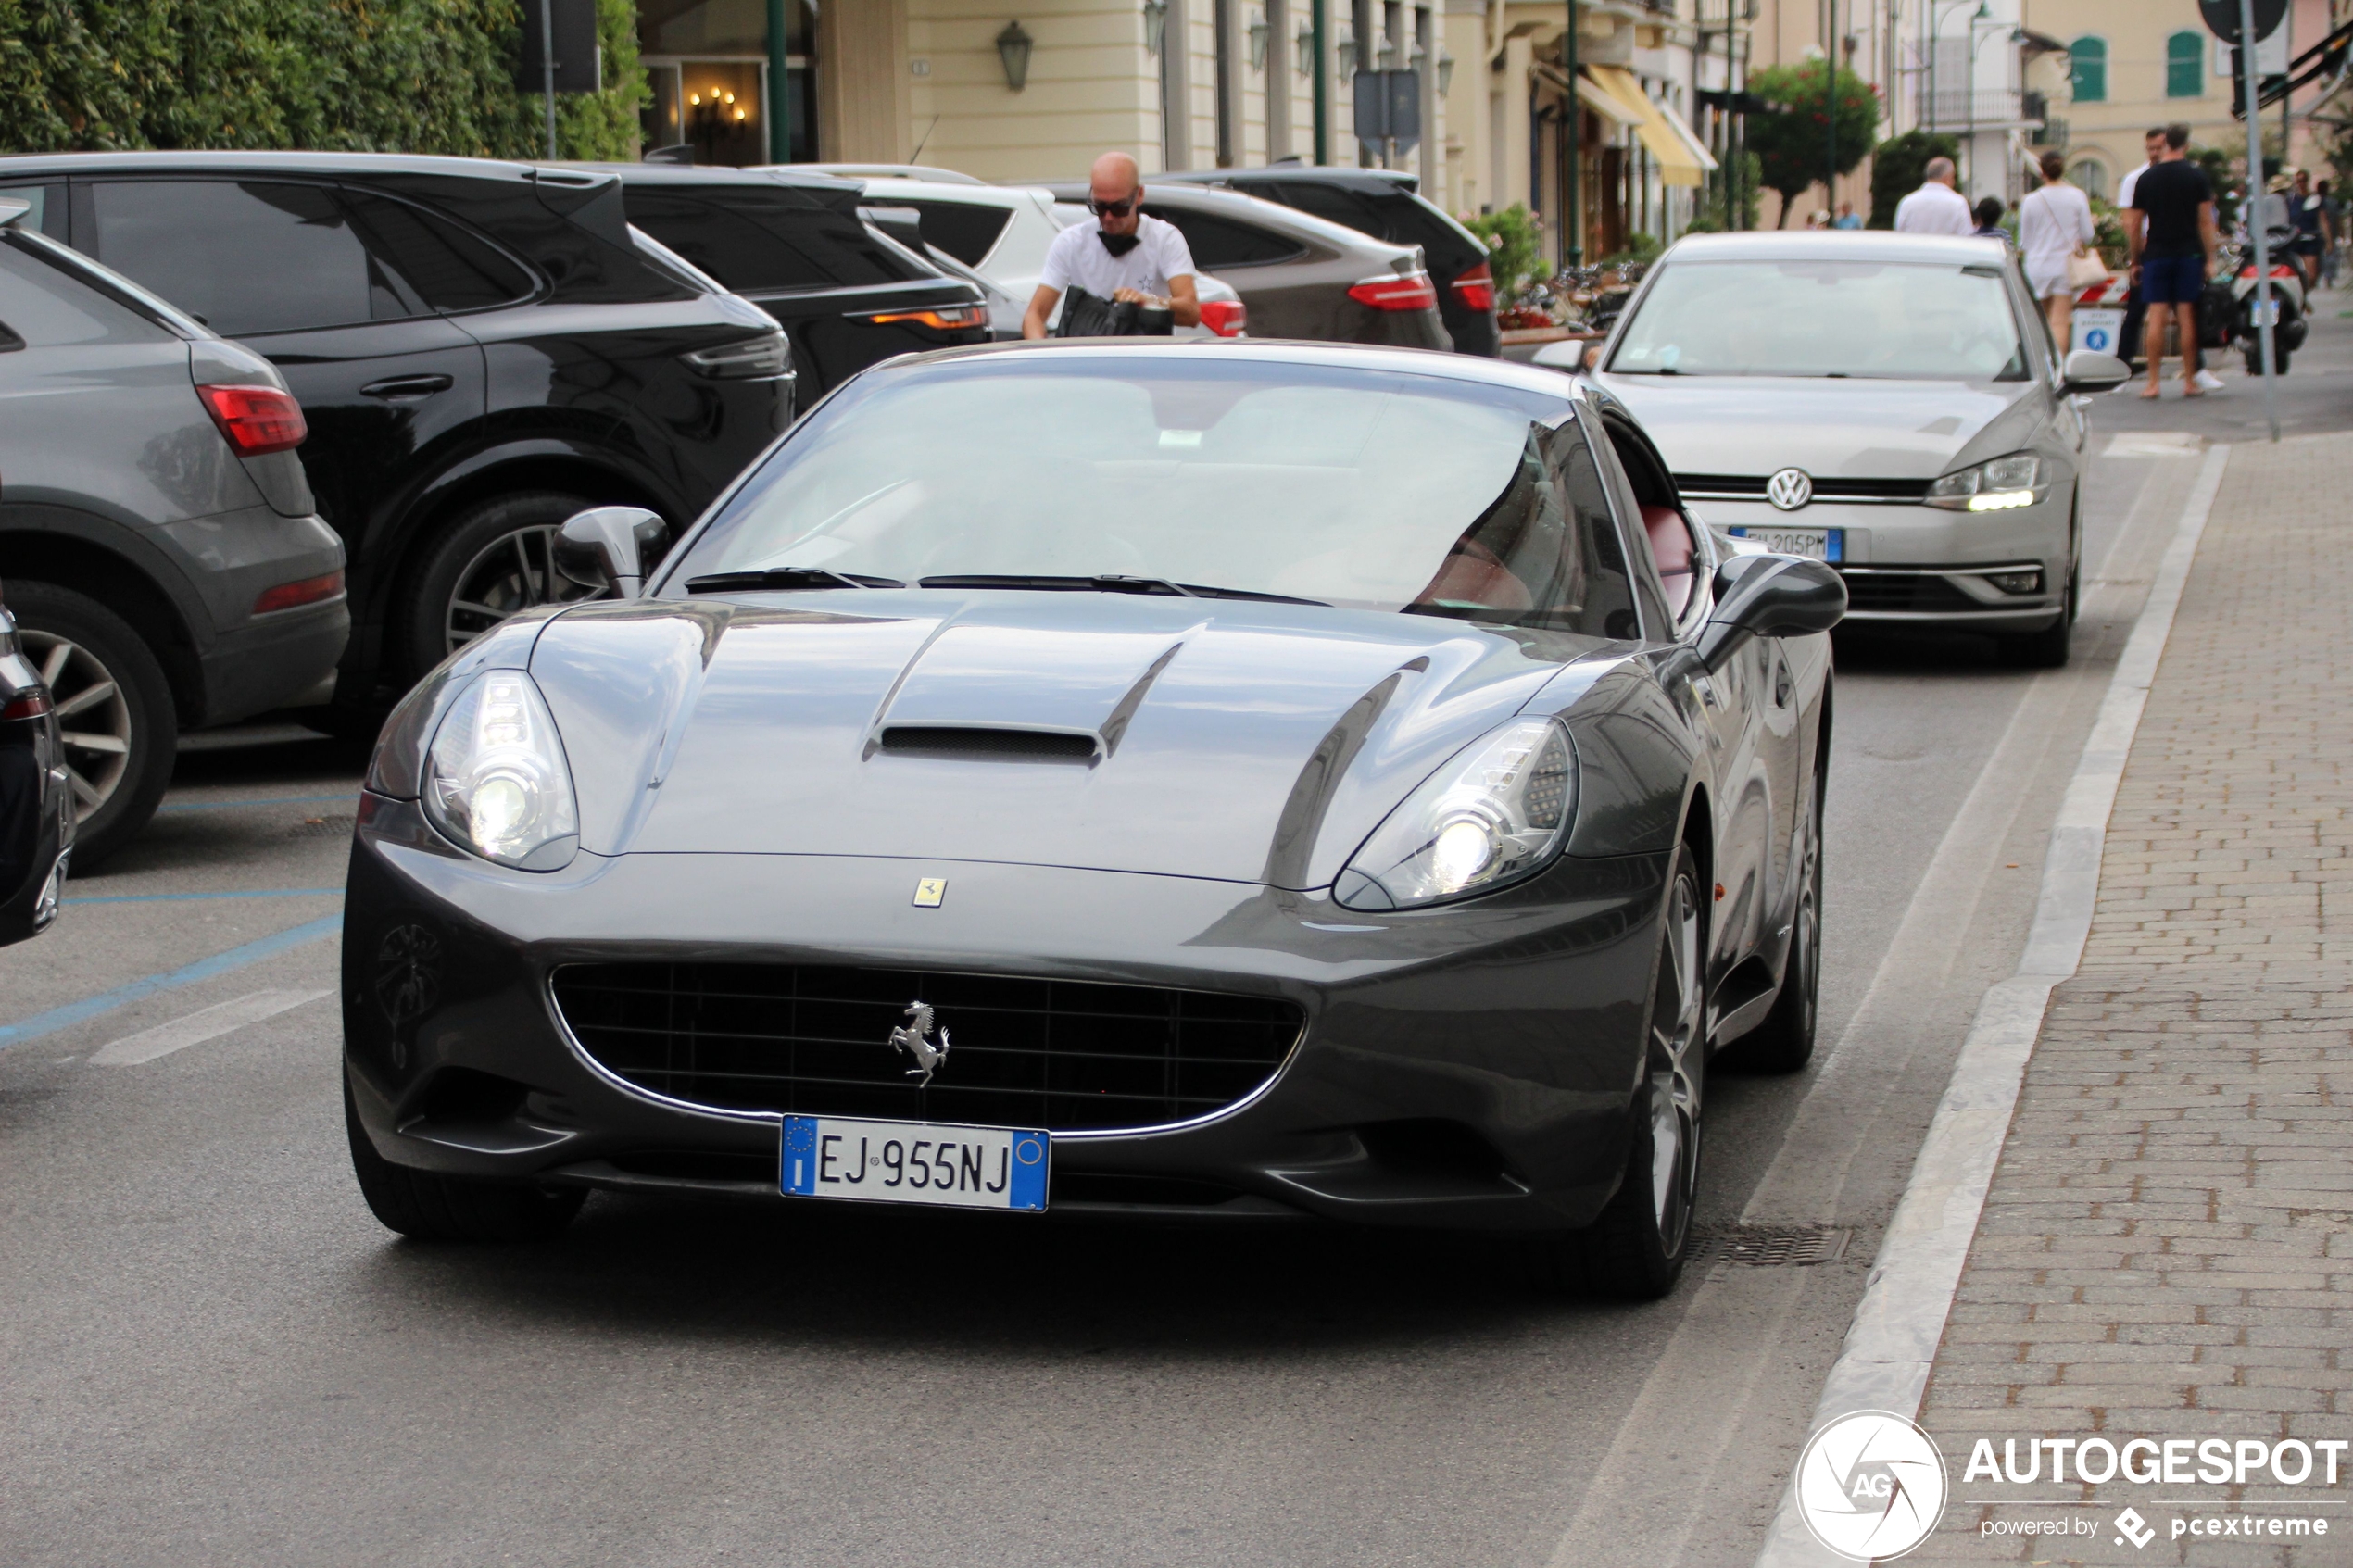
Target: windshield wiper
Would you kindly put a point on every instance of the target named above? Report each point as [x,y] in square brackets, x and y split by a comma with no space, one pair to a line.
[786,577]
[1112,583]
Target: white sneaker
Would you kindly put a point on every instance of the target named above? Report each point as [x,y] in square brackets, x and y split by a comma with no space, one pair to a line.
[2209,381]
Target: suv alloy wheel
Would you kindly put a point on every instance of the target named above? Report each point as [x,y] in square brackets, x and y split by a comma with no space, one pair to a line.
[496,558]
[114,709]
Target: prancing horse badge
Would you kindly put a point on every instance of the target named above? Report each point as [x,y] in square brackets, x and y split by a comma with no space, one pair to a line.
[930,891]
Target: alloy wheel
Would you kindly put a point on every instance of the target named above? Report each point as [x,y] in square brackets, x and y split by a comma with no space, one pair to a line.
[513,573]
[1677,1067]
[94,715]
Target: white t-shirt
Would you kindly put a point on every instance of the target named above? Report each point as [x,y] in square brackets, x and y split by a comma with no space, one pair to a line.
[2124,186]
[1077,256]
[1935,209]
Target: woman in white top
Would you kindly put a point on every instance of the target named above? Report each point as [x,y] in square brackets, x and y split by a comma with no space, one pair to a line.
[2053,223]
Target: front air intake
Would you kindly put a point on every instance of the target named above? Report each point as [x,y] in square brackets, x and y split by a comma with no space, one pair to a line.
[973,743]
[811,1039]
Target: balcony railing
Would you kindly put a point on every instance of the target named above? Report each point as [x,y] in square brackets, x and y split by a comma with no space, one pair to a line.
[1954,110]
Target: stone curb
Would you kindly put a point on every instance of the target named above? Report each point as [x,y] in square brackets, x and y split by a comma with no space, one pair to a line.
[1892,1343]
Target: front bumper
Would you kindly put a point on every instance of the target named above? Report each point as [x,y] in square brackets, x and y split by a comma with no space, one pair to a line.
[36,807]
[1470,1068]
[1913,565]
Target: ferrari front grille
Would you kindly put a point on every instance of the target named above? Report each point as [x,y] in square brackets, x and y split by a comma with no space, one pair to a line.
[817,1040]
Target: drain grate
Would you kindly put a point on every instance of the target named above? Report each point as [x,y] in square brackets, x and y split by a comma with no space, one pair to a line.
[321,827]
[1768,1247]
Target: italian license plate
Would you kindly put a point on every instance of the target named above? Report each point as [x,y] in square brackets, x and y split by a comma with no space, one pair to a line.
[1814,543]
[927,1162]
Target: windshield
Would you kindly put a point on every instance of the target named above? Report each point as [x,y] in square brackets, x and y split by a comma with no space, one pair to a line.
[1890,321]
[1351,487]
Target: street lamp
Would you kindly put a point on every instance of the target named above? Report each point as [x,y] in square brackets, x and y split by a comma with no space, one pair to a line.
[1258,40]
[1303,57]
[1155,25]
[1347,55]
[1445,71]
[1012,53]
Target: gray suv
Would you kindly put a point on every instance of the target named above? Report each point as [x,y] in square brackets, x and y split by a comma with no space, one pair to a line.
[164,561]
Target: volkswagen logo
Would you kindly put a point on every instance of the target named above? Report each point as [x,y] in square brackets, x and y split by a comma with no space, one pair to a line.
[1789,489]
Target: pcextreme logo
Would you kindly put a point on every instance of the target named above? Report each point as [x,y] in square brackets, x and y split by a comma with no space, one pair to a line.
[1870,1486]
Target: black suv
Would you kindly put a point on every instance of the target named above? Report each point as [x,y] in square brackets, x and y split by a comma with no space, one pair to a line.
[1383,203]
[794,244]
[480,348]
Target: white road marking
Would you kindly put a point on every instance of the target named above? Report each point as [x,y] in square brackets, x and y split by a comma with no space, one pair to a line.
[2153,444]
[1892,1343]
[194,1029]
[1734,1332]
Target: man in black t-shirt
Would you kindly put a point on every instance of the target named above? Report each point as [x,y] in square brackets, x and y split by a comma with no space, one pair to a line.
[2170,225]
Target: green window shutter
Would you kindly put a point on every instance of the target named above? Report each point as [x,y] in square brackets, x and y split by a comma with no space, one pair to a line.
[2186,65]
[2090,55]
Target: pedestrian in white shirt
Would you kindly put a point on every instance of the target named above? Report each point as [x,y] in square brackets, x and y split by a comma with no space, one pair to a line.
[1122,257]
[1936,207]
[2053,226]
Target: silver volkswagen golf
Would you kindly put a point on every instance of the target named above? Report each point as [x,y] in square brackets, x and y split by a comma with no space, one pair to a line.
[1893,403]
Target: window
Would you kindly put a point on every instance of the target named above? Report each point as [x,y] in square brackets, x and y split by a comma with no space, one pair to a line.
[1887,320]
[2186,65]
[966,231]
[48,202]
[2090,175]
[2090,55]
[1217,243]
[1355,486]
[749,237]
[42,307]
[256,256]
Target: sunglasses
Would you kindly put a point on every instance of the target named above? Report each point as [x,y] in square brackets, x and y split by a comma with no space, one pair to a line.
[1114,209]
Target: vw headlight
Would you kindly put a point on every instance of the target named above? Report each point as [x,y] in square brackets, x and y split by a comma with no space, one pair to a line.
[1494,814]
[1995,485]
[496,781]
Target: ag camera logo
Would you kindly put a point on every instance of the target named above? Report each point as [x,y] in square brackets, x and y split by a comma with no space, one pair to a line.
[1870,1486]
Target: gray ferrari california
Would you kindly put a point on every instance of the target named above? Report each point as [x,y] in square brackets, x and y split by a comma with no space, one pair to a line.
[1237,781]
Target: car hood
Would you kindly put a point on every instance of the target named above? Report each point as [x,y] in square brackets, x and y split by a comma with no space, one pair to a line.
[1755,426]
[1230,739]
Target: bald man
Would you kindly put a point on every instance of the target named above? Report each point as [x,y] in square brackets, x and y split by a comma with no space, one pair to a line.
[1122,257]
[1936,207]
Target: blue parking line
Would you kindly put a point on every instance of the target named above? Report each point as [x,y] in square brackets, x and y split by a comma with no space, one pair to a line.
[199,897]
[273,800]
[66,1017]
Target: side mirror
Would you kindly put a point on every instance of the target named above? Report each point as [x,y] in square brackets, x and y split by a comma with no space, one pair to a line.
[611,547]
[2089,371]
[1569,354]
[1769,596]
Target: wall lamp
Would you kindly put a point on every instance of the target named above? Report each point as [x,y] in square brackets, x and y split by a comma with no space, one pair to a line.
[1012,51]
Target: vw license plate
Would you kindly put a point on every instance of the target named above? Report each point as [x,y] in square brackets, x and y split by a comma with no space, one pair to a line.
[1814,543]
[914,1162]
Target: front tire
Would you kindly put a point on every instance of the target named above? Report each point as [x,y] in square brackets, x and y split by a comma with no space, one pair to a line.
[425,1206]
[1784,1042]
[115,712]
[1635,1249]
[494,558]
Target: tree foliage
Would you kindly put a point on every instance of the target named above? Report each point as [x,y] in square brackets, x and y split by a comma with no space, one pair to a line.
[1898,168]
[421,76]
[1515,252]
[1793,143]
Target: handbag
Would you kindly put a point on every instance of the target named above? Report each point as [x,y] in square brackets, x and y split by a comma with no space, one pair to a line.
[1089,315]
[2085,268]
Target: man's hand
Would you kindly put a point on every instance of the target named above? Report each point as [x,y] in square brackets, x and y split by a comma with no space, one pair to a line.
[1041,305]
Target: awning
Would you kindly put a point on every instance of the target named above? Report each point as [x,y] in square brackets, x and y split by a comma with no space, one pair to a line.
[1682,159]
[1592,98]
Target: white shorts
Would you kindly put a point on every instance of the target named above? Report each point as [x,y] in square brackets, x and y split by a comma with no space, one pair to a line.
[2048,277]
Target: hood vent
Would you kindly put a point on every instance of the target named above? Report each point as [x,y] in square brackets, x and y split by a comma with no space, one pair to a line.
[971,743]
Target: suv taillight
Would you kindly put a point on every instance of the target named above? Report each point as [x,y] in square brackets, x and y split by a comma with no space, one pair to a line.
[292,596]
[258,420]
[1400,291]
[1226,318]
[765,358]
[938,318]
[1476,288]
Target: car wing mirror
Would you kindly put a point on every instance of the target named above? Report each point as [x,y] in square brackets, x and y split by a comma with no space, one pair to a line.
[2089,371]
[1569,356]
[611,548]
[1769,596]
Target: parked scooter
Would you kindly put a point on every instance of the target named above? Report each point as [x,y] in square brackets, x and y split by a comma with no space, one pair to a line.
[2289,327]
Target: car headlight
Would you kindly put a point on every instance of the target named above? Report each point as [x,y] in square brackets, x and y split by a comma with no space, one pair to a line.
[1494,814]
[1991,486]
[496,781]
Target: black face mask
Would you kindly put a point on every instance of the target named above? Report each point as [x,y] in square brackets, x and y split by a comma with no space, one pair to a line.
[1119,244]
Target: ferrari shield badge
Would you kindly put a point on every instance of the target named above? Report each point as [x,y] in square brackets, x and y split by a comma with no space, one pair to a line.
[915,1041]
[930,891]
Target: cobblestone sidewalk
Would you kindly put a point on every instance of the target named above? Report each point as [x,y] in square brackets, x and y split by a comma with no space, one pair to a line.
[2167,1252]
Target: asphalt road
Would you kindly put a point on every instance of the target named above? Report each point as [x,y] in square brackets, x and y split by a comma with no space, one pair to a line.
[210,1353]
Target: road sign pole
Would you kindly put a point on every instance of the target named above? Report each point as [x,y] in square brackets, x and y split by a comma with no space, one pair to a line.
[547,67]
[2265,307]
